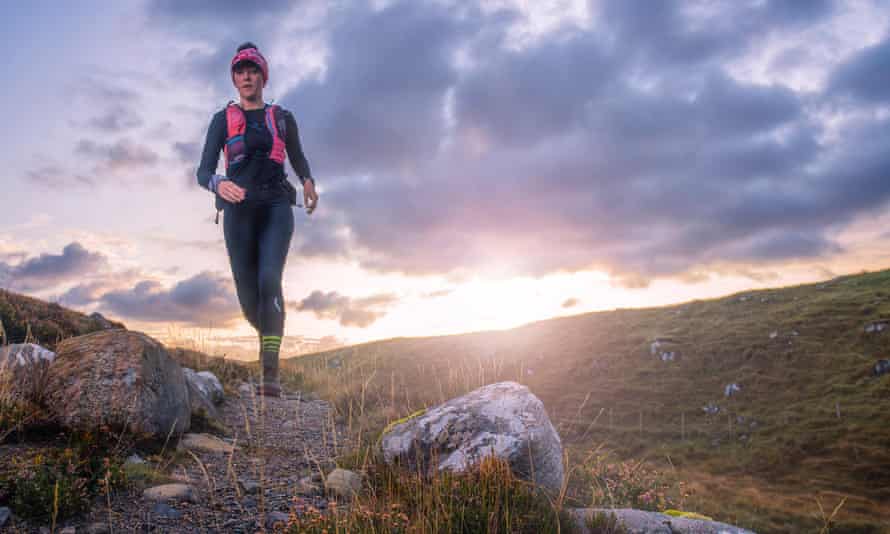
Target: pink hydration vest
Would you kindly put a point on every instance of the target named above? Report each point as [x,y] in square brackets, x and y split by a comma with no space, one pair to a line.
[235,149]
[236,125]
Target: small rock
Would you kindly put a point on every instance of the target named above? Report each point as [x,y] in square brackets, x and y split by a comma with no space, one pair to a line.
[166,511]
[876,326]
[744,298]
[249,487]
[4,515]
[134,459]
[273,518]
[343,483]
[98,528]
[104,323]
[176,492]
[882,367]
[306,486]
[711,408]
[774,334]
[205,443]
[335,363]
[731,389]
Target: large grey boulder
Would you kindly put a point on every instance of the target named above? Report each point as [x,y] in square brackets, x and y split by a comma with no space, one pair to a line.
[503,419]
[642,522]
[23,371]
[119,378]
[205,392]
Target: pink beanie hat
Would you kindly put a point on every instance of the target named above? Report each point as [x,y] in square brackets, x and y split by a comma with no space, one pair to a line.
[253,55]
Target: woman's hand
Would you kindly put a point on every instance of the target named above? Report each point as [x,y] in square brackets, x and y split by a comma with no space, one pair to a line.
[310,197]
[230,191]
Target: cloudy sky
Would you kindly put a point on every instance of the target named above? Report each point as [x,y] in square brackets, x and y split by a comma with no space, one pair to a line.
[480,164]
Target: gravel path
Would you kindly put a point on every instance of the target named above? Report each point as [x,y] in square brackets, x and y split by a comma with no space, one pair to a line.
[279,443]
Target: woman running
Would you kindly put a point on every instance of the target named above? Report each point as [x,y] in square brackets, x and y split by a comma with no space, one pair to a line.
[255,198]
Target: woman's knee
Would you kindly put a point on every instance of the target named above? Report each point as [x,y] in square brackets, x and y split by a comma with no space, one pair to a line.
[270,284]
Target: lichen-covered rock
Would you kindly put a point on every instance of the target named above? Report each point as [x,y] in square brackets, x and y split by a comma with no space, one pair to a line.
[119,378]
[643,522]
[205,392]
[23,371]
[503,419]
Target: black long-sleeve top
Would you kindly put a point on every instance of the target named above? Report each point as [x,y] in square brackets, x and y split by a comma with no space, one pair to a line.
[257,171]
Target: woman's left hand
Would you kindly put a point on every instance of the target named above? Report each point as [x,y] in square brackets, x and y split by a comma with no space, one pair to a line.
[310,197]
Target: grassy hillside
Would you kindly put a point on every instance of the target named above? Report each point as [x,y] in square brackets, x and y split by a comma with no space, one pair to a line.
[807,431]
[24,318]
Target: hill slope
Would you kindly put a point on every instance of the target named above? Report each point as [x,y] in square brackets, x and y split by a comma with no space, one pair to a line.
[807,427]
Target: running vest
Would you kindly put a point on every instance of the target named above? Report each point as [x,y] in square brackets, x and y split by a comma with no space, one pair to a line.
[236,125]
[235,149]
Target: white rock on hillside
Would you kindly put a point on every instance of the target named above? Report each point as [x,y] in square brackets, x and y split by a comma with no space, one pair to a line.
[642,522]
[504,419]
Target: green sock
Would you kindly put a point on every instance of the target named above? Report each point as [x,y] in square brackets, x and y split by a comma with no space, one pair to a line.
[269,347]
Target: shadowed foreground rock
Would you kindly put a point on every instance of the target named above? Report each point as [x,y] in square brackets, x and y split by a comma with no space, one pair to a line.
[119,378]
[205,392]
[504,419]
[642,522]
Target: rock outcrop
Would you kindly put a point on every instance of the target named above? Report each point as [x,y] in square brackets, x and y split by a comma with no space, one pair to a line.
[119,378]
[642,522]
[503,419]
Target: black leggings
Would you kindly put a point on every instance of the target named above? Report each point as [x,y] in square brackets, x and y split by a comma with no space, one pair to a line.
[257,238]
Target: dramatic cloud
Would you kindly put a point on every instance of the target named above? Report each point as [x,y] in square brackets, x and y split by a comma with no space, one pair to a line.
[201,300]
[360,312]
[48,270]
[865,75]
[380,106]
[187,152]
[632,142]
[116,120]
[55,177]
[91,291]
[562,156]
[122,155]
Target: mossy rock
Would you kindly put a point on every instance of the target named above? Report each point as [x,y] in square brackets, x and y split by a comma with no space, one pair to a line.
[687,515]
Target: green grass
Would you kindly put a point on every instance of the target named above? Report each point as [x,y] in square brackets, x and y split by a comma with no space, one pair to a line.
[802,447]
[774,453]
[487,498]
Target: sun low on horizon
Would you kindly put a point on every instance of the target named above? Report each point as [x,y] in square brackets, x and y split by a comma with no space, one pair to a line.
[479,165]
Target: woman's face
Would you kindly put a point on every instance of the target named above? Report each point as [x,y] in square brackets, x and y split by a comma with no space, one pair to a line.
[248,80]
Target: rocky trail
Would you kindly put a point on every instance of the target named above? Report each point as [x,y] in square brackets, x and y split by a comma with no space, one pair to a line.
[267,467]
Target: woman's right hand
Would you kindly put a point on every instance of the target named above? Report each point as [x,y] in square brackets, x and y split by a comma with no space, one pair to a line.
[230,191]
